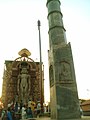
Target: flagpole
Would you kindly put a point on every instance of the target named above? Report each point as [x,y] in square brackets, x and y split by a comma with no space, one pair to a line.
[39,24]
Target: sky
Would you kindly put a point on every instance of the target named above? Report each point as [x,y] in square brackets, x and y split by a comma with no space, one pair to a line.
[18,30]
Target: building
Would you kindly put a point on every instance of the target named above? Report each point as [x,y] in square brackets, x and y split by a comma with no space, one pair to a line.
[11,75]
[85,106]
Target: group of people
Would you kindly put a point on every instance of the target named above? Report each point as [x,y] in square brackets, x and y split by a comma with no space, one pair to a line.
[6,114]
[21,111]
[26,113]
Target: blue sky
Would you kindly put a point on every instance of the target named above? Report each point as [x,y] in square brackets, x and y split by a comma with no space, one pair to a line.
[18,29]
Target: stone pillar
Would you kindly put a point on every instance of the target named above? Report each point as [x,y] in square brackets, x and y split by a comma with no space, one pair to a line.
[63,87]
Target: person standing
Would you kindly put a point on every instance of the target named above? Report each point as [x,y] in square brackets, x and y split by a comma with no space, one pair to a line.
[9,115]
[2,114]
[23,112]
[16,107]
[29,112]
[38,108]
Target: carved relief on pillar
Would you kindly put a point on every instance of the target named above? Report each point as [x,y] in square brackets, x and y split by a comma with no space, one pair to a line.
[51,76]
[65,71]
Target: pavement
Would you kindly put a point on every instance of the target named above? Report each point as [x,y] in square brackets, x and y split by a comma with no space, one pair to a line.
[48,118]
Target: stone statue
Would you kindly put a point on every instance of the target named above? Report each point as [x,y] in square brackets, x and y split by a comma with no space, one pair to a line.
[23,86]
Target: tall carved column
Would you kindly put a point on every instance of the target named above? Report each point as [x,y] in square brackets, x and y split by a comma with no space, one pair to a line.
[63,87]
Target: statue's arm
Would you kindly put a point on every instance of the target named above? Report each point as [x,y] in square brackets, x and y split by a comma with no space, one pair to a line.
[18,83]
[29,82]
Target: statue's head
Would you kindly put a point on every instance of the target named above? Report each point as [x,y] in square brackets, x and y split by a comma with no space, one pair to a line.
[24,70]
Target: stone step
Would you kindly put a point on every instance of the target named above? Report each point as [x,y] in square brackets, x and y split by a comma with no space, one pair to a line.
[31,119]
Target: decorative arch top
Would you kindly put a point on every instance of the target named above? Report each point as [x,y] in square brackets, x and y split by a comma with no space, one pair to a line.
[24,52]
[24,57]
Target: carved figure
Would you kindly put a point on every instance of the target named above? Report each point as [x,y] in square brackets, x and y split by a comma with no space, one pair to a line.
[51,75]
[24,84]
[65,71]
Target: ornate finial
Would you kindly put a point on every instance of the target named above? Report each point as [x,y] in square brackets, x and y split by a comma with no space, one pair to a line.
[24,53]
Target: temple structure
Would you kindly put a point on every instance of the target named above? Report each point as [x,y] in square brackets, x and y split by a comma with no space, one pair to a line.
[63,88]
[21,80]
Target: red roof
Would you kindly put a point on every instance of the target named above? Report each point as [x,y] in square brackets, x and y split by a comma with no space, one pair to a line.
[87,102]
